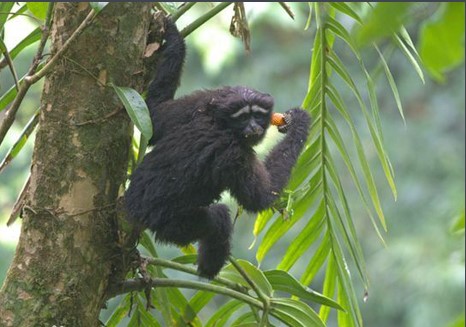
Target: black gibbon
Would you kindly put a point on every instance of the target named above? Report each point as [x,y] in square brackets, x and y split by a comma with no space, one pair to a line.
[203,146]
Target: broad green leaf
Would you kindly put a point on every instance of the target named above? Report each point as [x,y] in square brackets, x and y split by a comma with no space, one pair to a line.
[339,68]
[384,20]
[19,144]
[98,6]
[317,261]
[295,313]
[392,83]
[344,319]
[31,38]
[346,9]
[280,227]
[441,43]
[169,7]
[309,16]
[136,108]
[221,316]
[38,9]
[283,281]
[256,276]
[261,221]
[329,287]
[185,312]
[458,224]
[5,10]
[147,242]
[410,57]
[305,239]
[186,259]
[342,33]
[345,278]
[247,319]
[347,230]
[120,312]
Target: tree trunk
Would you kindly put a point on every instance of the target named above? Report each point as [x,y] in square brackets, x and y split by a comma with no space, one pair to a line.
[68,250]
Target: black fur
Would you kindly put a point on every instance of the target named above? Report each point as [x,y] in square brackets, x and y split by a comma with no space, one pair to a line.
[200,151]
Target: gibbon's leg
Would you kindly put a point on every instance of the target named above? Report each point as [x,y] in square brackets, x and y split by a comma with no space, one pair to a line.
[211,226]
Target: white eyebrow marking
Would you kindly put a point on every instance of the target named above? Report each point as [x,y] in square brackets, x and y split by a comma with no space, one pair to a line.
[259,109]
[244,110]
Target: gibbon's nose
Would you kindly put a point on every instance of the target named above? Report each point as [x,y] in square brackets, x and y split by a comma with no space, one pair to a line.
[253,129]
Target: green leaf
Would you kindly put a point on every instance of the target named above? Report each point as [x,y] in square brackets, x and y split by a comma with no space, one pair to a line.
[410,57]
[305,238]
[283,281]
[186,259]
[256,276]
[281,226]
[317,261]
[38,9]
[19,144]
[5,9]
[120,312]
[261,221]
[247,319]
[221,316]
[458,224]
[442,40]
[147,242]
[344,277]
[30,39]
[136,108]
[384,20]
[392,83]
[346,9]
[98,6]
[295,313]
[329,286]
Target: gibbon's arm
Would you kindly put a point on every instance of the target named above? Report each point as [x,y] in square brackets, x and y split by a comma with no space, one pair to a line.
[169,68]
[167,75]
[258,187]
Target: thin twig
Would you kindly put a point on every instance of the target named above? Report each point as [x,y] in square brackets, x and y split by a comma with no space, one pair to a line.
[204,18]
[10,113]
[32,77]
[41,73]
[264,298]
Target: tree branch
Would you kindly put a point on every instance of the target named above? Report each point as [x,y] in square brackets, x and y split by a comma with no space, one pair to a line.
[139,284]
[189,270]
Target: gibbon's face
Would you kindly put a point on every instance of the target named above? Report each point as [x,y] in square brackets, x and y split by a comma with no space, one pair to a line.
[250,122]
[245,111]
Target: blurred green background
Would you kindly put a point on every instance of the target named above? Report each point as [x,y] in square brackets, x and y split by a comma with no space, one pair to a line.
[418,279]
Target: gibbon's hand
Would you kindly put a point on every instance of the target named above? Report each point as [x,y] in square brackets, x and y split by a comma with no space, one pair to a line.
[294,118]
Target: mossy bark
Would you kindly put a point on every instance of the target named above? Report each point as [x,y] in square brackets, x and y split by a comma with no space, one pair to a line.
[69,249]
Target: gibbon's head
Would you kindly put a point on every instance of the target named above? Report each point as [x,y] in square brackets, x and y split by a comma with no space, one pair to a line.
[245,111]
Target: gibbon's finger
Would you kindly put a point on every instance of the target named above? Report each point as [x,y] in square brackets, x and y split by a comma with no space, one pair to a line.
[277,119]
